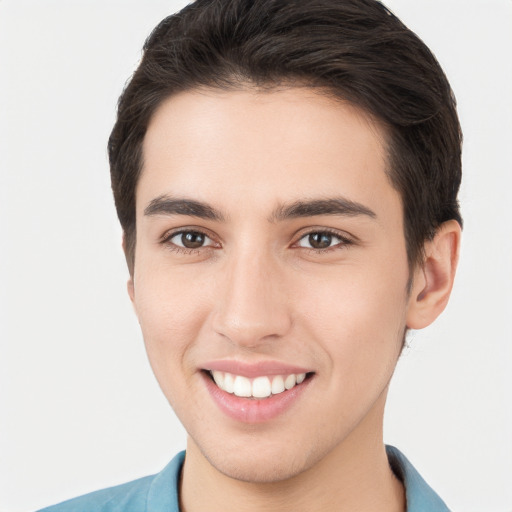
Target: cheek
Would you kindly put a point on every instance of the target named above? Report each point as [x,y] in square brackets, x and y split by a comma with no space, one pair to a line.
[171,312]
[359,318]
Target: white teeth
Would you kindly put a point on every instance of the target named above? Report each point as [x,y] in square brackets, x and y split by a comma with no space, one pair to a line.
[218,377]
[229,383]
[290,381]
[277,385]
[260,387]
[242,386]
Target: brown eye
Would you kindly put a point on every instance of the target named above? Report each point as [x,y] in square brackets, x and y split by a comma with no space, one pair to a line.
[190,240]
[320,240]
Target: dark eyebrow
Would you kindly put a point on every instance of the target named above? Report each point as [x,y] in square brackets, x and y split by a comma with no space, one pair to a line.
[166,205]
[332,206]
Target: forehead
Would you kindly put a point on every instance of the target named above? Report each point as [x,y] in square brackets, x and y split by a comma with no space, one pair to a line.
[246,147]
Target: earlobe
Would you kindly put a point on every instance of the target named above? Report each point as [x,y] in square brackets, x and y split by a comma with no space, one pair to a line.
[131,289]
[433,281]
[130,286]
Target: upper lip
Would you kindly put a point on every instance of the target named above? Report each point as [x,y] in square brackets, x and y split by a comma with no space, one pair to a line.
[251,370]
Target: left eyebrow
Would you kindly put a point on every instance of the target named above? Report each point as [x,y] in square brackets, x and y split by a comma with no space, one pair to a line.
[333,206]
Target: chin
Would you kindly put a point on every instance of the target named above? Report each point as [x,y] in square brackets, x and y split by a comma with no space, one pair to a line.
[261,464]
[256,471]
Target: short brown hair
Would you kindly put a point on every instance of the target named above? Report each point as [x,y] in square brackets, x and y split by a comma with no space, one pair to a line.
[357,50]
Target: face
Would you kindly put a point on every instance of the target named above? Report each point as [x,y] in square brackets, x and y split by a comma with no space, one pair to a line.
[270,258]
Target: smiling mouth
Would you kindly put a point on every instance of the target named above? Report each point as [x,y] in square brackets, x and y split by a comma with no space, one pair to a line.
[259,387]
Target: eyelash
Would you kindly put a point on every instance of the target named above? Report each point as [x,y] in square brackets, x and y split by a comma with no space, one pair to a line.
[343,243]
[166,240]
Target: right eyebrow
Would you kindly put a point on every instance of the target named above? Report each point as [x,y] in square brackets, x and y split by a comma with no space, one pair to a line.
[167,205]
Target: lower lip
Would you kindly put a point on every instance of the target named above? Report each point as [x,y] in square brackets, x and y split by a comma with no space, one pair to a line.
[251,410]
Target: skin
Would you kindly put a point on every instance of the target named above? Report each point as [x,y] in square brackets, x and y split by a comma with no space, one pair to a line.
[256,291]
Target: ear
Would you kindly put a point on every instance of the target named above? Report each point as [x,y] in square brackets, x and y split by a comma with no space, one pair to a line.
[433,281]
[129,285]
[131,290]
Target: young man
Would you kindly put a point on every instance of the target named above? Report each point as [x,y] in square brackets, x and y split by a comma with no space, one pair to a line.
[286,177]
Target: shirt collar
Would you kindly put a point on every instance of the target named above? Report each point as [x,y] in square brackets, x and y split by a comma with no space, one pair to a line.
[420,496]
[163,493]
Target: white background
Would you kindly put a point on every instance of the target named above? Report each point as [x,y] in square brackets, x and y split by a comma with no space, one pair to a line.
[79,407]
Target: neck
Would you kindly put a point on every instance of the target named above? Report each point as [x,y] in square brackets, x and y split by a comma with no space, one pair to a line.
[354,476]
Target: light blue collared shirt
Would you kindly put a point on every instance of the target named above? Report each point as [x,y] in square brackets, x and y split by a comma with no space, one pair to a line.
[159,493]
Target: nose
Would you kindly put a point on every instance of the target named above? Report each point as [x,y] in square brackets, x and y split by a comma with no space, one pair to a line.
[252,307]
